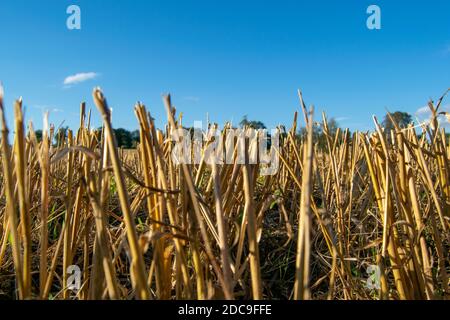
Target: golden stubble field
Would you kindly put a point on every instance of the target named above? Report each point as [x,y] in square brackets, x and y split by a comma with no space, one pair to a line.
[139,226]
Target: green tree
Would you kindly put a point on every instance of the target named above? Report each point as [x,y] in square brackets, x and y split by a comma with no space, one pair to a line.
[319,134]
[252,124]
[61,135]
[402,119]
[38,135]
[135,138]
[123,138]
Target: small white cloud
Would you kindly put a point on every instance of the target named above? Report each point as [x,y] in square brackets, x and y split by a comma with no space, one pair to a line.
[423,111]
[426,112]
[79,77]
[423,115]
[341,119]
[46,108]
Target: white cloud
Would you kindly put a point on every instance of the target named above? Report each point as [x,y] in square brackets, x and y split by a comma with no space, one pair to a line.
[423,115]
[423,111]
[79,77]
[46,108]
[341,119]
[426,112]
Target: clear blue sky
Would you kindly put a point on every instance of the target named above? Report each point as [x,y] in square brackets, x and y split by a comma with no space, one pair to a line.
[228,58]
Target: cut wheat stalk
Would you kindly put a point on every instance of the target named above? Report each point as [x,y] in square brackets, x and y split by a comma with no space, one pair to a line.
[137,268]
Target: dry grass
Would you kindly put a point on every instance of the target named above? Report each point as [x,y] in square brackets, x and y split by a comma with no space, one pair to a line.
[140,226]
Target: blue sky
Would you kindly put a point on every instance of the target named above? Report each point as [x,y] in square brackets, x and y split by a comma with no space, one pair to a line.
[226,58]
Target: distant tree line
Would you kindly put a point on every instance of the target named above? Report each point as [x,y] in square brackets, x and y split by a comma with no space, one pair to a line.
[130,139]
[125,139]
